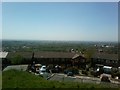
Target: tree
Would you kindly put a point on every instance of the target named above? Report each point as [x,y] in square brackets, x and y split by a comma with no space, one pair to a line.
[88,54]
[17,59]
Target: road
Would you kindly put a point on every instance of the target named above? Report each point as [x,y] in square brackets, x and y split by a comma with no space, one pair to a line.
[82,79]
[63,77]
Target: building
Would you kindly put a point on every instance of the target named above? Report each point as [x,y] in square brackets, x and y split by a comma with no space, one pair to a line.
[26,56]
[105,59]
[3,61]
[3,55]
[55,58]
[79,61]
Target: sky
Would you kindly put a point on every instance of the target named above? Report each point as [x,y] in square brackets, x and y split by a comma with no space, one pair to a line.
[88,21]
[60,0]
[0,22]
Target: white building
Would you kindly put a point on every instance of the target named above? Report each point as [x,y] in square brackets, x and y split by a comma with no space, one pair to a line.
[3,54]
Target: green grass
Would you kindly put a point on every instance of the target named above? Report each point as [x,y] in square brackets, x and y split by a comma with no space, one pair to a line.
[20,79]
[0,79]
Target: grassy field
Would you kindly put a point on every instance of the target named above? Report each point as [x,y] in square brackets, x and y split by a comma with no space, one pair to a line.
[0,79]
[20,79]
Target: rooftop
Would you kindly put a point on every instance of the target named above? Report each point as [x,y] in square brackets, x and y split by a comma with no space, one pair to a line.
[54,55]
[42,54]
[3,54]
[105,56]
[23,54]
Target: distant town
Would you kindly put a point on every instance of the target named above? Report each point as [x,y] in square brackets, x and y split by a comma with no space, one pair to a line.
[86,62]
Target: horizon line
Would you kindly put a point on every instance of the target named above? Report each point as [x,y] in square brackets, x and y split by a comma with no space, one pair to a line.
[55,40]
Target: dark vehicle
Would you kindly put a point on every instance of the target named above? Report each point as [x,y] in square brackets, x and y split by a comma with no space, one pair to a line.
[70,74]
[66,71]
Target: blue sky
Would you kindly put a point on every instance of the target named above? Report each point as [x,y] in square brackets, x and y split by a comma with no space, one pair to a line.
[60,21]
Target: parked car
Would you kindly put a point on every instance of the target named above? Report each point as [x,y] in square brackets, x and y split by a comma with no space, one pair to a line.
[70,74]
[42,70]
[71,69]
[65,71]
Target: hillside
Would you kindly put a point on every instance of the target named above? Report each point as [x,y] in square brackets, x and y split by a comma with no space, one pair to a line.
[21,79]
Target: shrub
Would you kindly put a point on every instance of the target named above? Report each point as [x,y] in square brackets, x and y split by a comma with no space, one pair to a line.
[116,74]
[84,72]
[105,79]
[16,59]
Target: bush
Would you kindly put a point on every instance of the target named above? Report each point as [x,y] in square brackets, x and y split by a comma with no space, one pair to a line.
[16,59]
[96,73]
[116,74]
[84,72]
[105,79]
